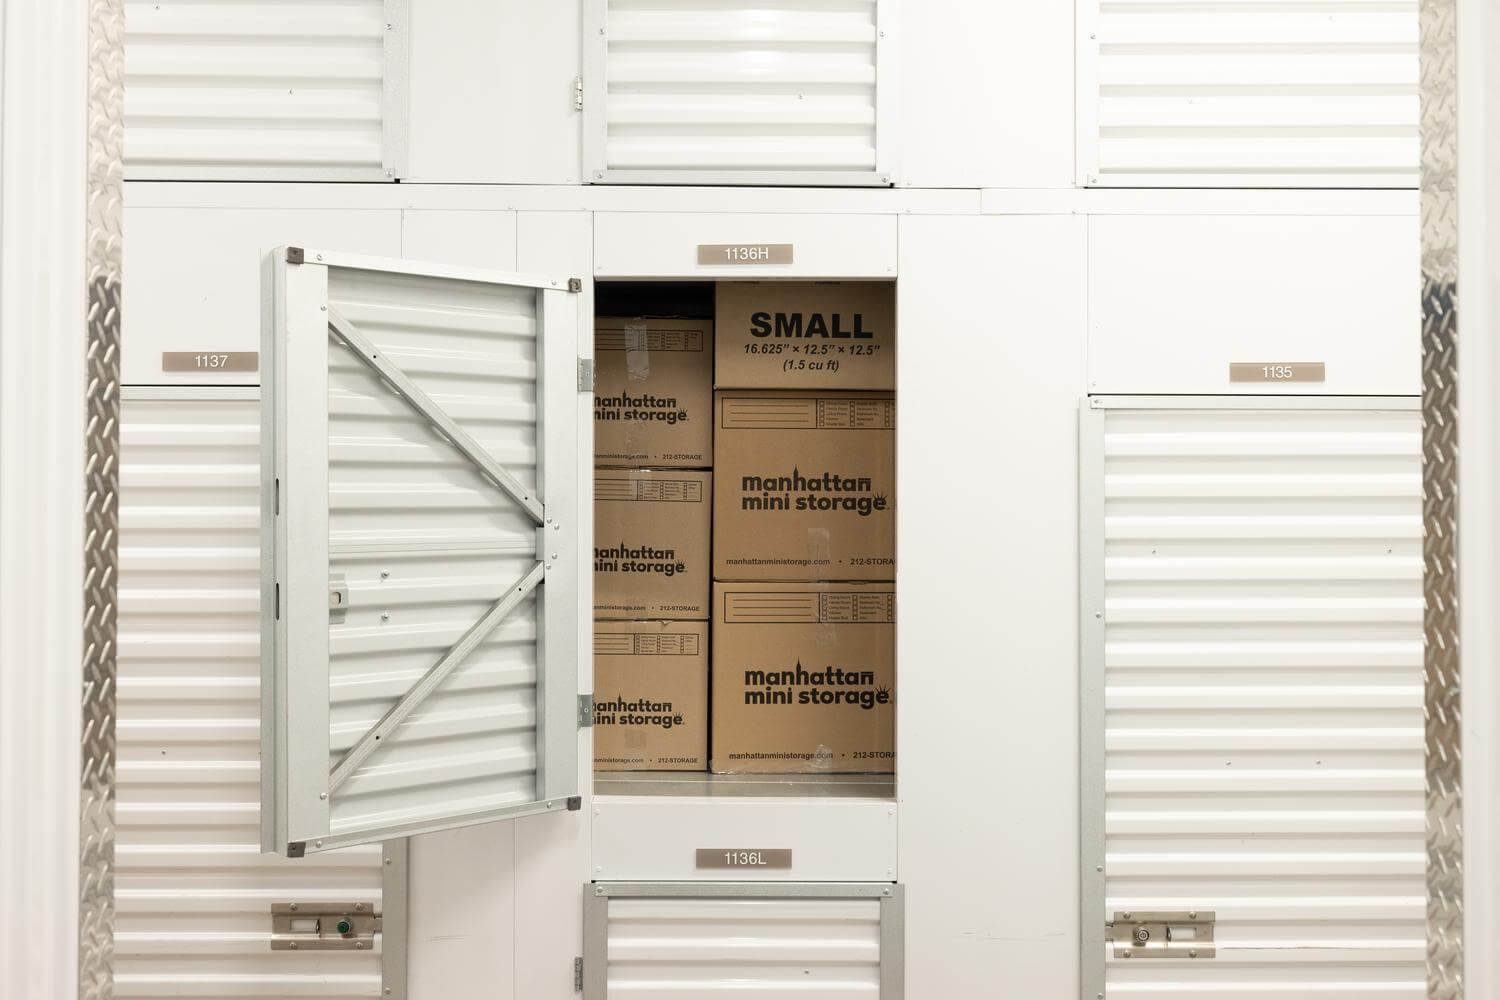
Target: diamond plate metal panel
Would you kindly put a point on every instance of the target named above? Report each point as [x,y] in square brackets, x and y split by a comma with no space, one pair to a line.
[1443,676]
[101,504]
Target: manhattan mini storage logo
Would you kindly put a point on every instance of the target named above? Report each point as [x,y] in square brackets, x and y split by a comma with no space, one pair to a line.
[645,408]
[624,558]
[826,491]
[829,686]
[641,712]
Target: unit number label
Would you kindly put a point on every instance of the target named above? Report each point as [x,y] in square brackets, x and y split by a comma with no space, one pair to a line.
[1276,371]
[210,361]
[710,254]
[744,857]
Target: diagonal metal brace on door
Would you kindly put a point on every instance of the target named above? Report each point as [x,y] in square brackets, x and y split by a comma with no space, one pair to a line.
[429,682]
[445,425]
[436,674]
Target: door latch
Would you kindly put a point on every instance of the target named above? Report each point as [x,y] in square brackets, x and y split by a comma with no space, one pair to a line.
[338,599]
[324,926]
[1162,934]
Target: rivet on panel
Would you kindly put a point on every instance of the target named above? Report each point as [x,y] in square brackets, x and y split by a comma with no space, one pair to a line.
[318,843]
[385,574]
[322,795]
[385,616]
[320,256]
[292,945]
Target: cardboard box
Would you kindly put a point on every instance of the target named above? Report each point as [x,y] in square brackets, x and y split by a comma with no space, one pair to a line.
[653,392]
[805,335]
[806,486]
[651,543]
[650,696]
[804,678]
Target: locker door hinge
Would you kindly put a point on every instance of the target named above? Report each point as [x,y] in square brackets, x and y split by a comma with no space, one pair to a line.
[585,711]
[585,374]
[1163,934]
[577,93]
[578,974]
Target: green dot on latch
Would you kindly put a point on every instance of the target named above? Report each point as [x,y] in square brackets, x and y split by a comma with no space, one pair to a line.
[343,927]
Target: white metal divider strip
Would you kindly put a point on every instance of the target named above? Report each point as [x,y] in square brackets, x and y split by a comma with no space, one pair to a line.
[294,417]
[395,118]
[560,439]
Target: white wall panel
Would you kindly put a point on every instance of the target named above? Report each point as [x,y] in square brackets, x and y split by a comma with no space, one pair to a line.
[834,839]
[770,91]
[1260,657]
[262,88]
[492,91]
[1315,93]
[986,94]
[1173,301]
[193,275]
[987,648]
[473,237]
[193,892]
[665,244]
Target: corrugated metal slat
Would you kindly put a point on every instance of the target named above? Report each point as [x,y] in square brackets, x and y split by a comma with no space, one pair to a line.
[790,949]
[775,88]
[292,88]
[1224,93]
[426,544]
[193,892]
[1262,697]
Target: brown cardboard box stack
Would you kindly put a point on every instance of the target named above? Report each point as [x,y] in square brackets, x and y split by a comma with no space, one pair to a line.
[804,557]
[653,496]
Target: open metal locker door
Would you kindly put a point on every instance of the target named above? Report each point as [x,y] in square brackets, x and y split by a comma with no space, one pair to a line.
[419,510]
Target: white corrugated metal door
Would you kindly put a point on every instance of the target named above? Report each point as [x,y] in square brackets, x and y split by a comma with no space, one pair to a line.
[1310,93]
[423,545]
[265,89]
[192,890]
[791,942]
[1252,727]
[737,92]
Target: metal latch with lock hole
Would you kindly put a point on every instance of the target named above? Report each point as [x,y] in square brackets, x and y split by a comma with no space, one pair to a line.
[338,598]
[1162,934]
[324,926]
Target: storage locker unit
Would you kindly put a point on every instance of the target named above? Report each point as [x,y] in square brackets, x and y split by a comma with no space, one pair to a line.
[1216,93]
[265,90]
[738,92]
[787,940]
[193,892]
[1252,727]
